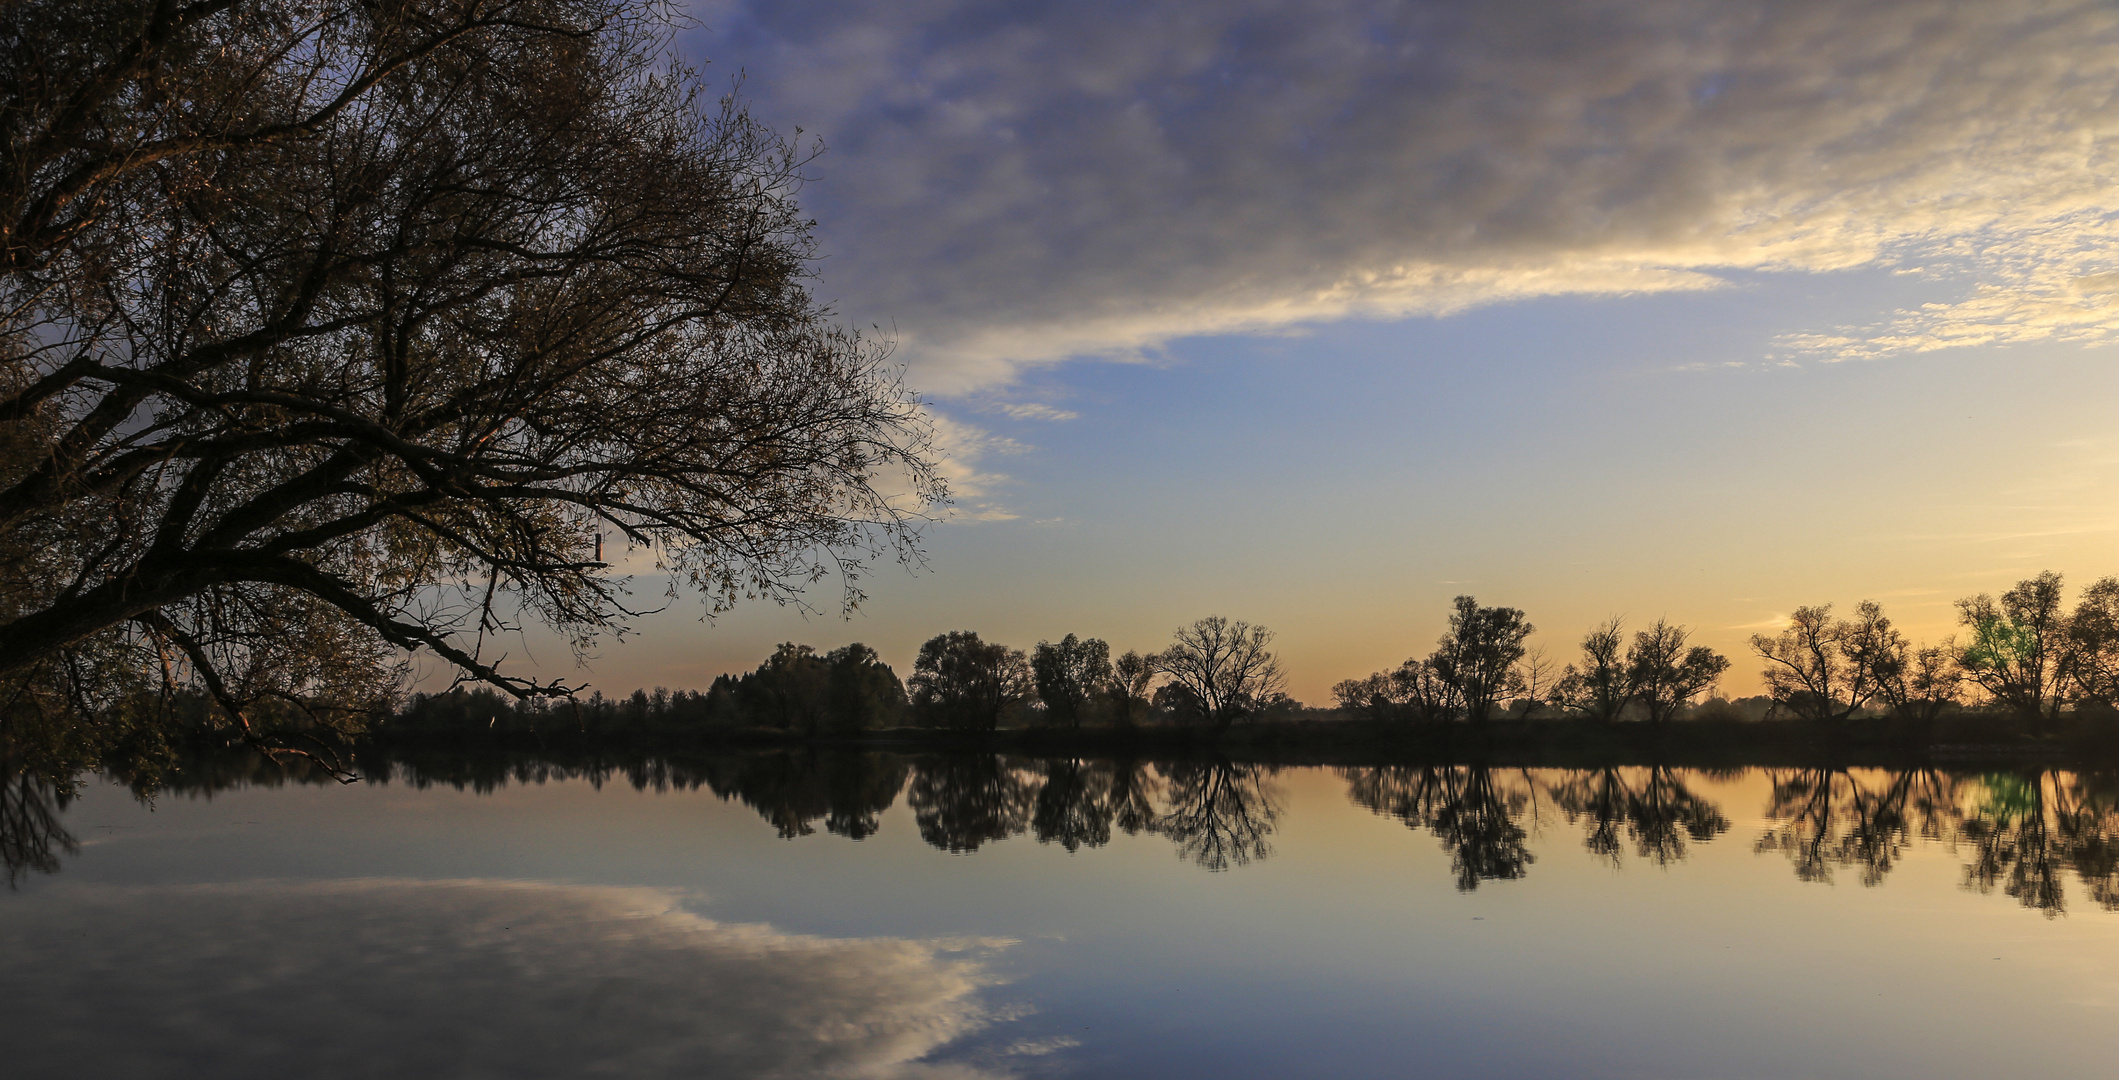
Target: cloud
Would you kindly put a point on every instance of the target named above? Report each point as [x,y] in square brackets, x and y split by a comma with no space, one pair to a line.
[398,978]
[1035,411]
[961,451]
[1775,621]
[1018,183]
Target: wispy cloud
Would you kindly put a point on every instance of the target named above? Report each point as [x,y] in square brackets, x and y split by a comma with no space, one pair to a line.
[962,451]
[1020,182]
[1035,411]
[1771,622]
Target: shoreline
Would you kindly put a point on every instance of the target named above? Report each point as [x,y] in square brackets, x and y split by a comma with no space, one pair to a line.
[1956,741]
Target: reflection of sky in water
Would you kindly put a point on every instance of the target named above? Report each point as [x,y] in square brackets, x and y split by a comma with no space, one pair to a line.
[1682,942]
[404,978]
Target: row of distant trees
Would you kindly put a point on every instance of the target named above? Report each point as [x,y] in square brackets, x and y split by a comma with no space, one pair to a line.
[1214,673]
[1482,666]
[2026,654]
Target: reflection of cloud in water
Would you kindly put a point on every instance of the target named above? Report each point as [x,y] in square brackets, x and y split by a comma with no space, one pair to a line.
[394,979]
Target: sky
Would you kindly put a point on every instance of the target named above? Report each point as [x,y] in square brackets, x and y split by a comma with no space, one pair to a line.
[1317,315]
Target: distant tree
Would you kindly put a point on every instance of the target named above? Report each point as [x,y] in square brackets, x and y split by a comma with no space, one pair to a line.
[1369,698]
[2093,641]
[1414,690]
[1533,682]
[2018,649]
[1602,686]
[1175,703]
[790,691]
[1478,654]
[1919,683]
[1665,674]
[864,693]
[1423,693]
[722,709]
[961,682]
[1224,666]
[1131,676]
[1071,677]
[1827,669]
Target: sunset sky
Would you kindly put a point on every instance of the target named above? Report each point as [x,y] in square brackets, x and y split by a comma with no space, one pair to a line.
[1319,314]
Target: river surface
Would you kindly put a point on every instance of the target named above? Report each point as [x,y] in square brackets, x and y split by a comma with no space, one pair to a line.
[794,915]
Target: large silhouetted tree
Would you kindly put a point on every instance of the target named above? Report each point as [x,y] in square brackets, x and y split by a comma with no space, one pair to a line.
[1665,674]
[1601,687]
[2093,640]
[1477,656]
[1127,693]
[1223,668]
[1071,676]
[335,331]
[1919,683]
[962,682]
[2018,648]
[1821,668]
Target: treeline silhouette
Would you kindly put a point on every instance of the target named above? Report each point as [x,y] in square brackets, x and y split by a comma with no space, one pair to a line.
[1215,673]
[2022,832]
[2025,656]
[2025,663]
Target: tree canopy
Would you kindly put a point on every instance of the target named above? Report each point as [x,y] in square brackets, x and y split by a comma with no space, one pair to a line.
[337,332]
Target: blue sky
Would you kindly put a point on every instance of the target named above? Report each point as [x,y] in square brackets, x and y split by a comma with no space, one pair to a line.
[1318,314]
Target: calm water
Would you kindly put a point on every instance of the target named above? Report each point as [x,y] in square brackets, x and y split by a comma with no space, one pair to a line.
[797,916]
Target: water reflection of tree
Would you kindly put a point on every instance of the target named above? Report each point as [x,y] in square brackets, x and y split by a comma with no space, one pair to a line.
[1219,813]
[2090,831]
[848,792]
[31,838]
[1073,805]
[2021,832]
[1079,801]
[1132,796]
[1475,814]
[963,801]
[1654,807]
[2026,830]
[1829,818]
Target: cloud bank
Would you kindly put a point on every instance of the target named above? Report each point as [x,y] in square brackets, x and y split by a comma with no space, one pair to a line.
[1016,183]
[472,979]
